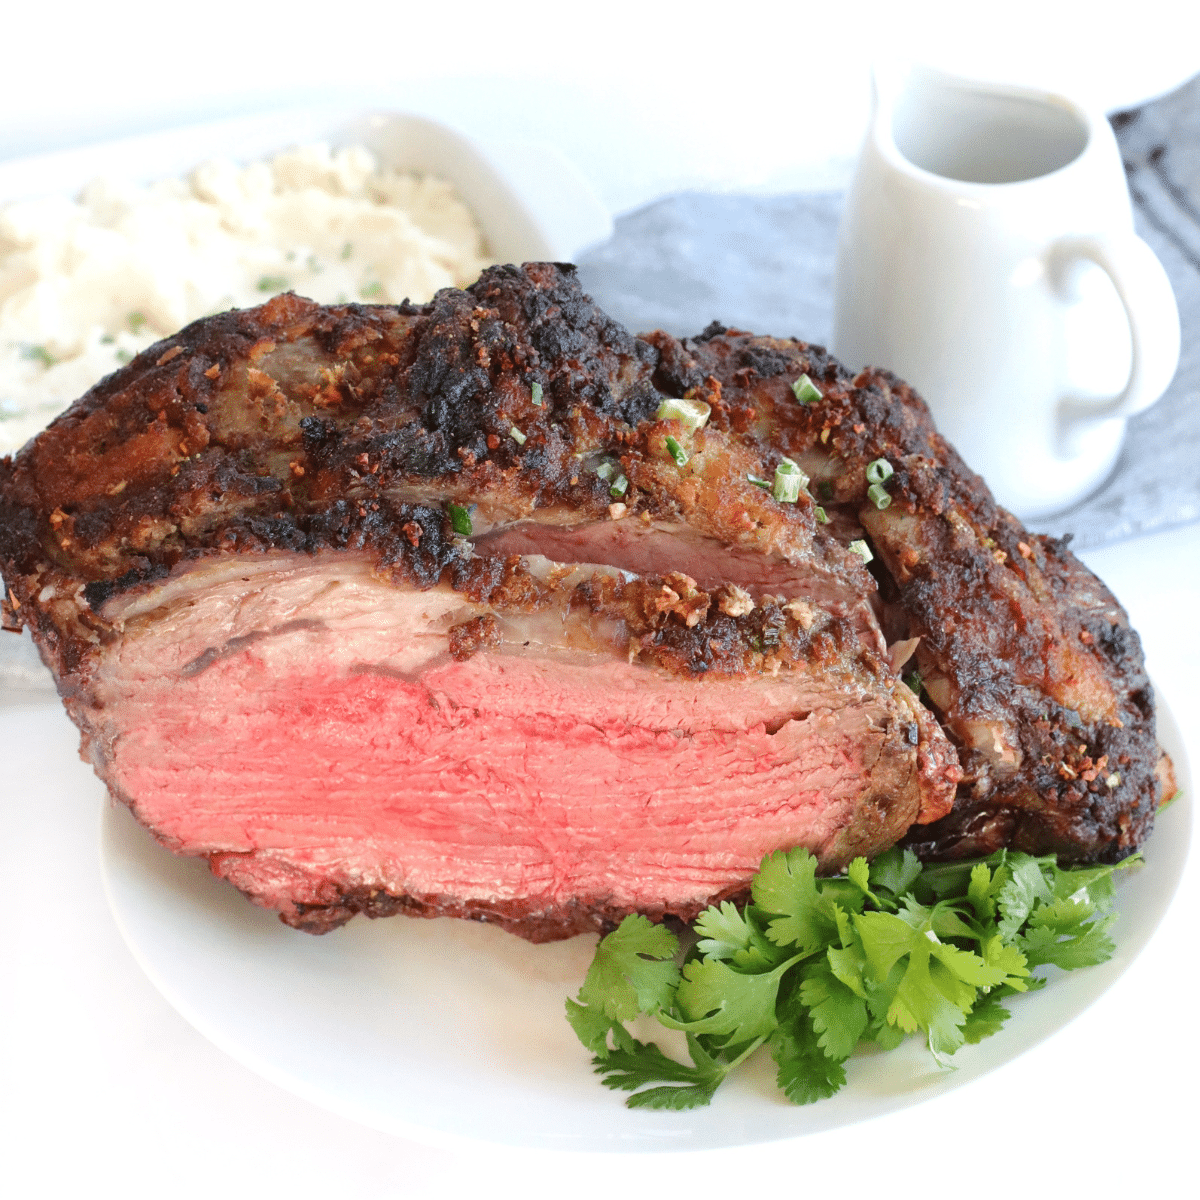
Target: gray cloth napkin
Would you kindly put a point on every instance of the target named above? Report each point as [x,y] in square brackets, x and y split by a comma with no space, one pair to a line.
[766,264]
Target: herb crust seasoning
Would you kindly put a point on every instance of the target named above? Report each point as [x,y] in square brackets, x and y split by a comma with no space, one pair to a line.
[325,619]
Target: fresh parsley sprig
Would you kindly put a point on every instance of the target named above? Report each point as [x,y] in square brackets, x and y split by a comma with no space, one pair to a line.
[813,966]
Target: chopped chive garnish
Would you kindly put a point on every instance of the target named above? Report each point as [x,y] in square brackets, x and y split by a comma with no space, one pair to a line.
[913,682]
[790,481]
[39,354]
[460,519]
[605,470]
[691,414]
[107,339]
[805,390]
[879,471]
[372,290]
[619,487]
[758,481]
[859,547]
[535,393]
[123,356]
[347,250]
[819,513]
[136,322]
[878,496]
[517,436]
[271,283]
[676,451]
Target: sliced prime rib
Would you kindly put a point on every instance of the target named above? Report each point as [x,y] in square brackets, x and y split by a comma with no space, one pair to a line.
[617,683]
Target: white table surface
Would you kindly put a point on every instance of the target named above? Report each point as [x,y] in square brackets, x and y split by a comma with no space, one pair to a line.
[103,1087]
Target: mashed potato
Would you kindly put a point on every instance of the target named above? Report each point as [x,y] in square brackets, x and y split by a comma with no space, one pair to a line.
[85,284]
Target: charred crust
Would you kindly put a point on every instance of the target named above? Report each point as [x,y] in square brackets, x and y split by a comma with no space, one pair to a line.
[100,591]
[530,920]
[711,330]
[471,636]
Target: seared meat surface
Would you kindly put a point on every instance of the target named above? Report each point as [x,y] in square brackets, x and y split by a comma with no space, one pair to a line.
[614,688]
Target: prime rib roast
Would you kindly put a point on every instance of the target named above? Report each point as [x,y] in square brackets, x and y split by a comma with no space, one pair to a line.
[436,609]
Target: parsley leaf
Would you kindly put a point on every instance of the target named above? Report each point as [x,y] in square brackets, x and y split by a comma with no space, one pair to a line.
[592,1026]
[634,1064]
[987,1017]
[632,972]
[786,885]
[839,1015]
[895,871]
[814,966]
[634,969]
[1087,948]
[1025,887]
[806,1073]
[729,934]
[714,998]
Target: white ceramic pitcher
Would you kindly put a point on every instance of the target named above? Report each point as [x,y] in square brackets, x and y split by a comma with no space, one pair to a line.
[959,259]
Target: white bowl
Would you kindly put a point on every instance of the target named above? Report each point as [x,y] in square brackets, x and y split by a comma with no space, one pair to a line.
[532,203]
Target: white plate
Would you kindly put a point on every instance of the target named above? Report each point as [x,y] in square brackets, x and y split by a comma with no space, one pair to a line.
[447,1030]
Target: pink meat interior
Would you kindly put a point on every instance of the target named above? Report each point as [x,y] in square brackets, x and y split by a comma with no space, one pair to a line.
[304,724]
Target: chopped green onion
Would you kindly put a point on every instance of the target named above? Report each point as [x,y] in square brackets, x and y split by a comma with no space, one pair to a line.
[805,390]
[758,481]
[136,322]
[605,469]
[879,471]
[676,451]
[535,393]
[271,283]
[913,683]
[39,354]
[691,414]
[859,547]
[878,496]
[107,339]
[460,519]
[790,481]
[517,436]
[819,513]
[123,356]
[347,250]
[619,487]
[372,290]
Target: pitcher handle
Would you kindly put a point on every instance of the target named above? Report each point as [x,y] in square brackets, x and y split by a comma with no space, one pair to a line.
[1150,308]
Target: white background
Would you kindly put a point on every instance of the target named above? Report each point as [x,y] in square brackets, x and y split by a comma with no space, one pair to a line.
[646,96]
[103,1088]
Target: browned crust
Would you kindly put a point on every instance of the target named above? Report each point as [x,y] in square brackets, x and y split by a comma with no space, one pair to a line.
[522,917]
[1033,641]
[223,440]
